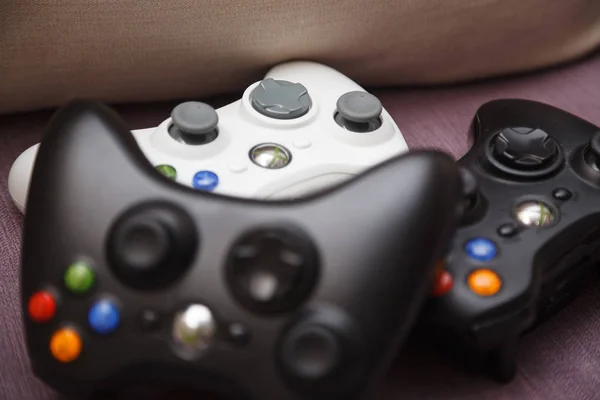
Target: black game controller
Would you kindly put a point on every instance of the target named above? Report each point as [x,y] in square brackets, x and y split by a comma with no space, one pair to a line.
[529,237]
[128,277]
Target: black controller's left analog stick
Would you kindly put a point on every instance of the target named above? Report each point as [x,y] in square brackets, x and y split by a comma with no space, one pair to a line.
[151,245]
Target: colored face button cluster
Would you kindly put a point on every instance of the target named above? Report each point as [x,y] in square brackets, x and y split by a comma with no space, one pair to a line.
[103,317]
[79,277]
[65,345]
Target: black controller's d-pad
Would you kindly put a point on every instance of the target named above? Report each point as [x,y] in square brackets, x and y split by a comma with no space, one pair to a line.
[524,151]
[272,269]
[525,147]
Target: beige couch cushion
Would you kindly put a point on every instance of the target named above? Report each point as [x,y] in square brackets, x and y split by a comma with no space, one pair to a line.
[132,50]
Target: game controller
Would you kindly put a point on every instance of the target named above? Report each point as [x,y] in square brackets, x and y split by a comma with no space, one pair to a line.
[128,277]
[529,238]
[304,127]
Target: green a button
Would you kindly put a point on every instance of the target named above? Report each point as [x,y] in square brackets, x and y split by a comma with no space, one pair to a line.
[79,277]
[167,171]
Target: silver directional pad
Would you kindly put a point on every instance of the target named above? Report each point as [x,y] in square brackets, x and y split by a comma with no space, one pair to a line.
[280,99]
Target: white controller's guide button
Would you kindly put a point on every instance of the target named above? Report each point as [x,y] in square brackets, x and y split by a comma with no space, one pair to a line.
[270,156]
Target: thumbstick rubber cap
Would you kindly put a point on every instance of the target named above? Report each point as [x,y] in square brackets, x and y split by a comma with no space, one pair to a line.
[469,183]
[151,245]
[143,244]
[595,144]
[195,118]
[312,352]
[359,106]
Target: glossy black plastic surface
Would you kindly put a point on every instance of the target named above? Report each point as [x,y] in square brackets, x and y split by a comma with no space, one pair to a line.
[541,268]
[376,240]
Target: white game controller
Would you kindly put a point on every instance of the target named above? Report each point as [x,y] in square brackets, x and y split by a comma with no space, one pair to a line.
[303,128]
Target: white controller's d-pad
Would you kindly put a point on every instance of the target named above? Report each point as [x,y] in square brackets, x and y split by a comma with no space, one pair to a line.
[280,99]
[303,128]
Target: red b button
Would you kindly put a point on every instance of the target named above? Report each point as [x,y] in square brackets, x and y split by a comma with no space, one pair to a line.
[41,307]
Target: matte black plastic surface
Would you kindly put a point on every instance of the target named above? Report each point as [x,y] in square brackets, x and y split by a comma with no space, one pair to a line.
[377,239]
[542,269]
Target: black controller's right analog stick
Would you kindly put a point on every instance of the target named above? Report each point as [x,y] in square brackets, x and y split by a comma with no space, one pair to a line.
[524,152]
[151,245]
[320,351]
[194,123]
[592,155]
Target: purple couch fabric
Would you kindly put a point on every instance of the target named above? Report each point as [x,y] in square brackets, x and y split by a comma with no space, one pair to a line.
[561,360]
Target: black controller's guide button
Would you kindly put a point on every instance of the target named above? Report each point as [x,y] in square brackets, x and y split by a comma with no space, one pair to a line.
[272,270]
[534,213]
[524,152]
[151,245]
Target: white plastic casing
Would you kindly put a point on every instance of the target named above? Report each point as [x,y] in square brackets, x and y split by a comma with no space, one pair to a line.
[323,152]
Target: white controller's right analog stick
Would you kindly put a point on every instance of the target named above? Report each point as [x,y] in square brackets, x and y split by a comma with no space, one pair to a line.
[359,111]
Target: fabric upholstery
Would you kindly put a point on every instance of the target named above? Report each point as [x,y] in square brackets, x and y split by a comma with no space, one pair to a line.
[561,360]
[127,50]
